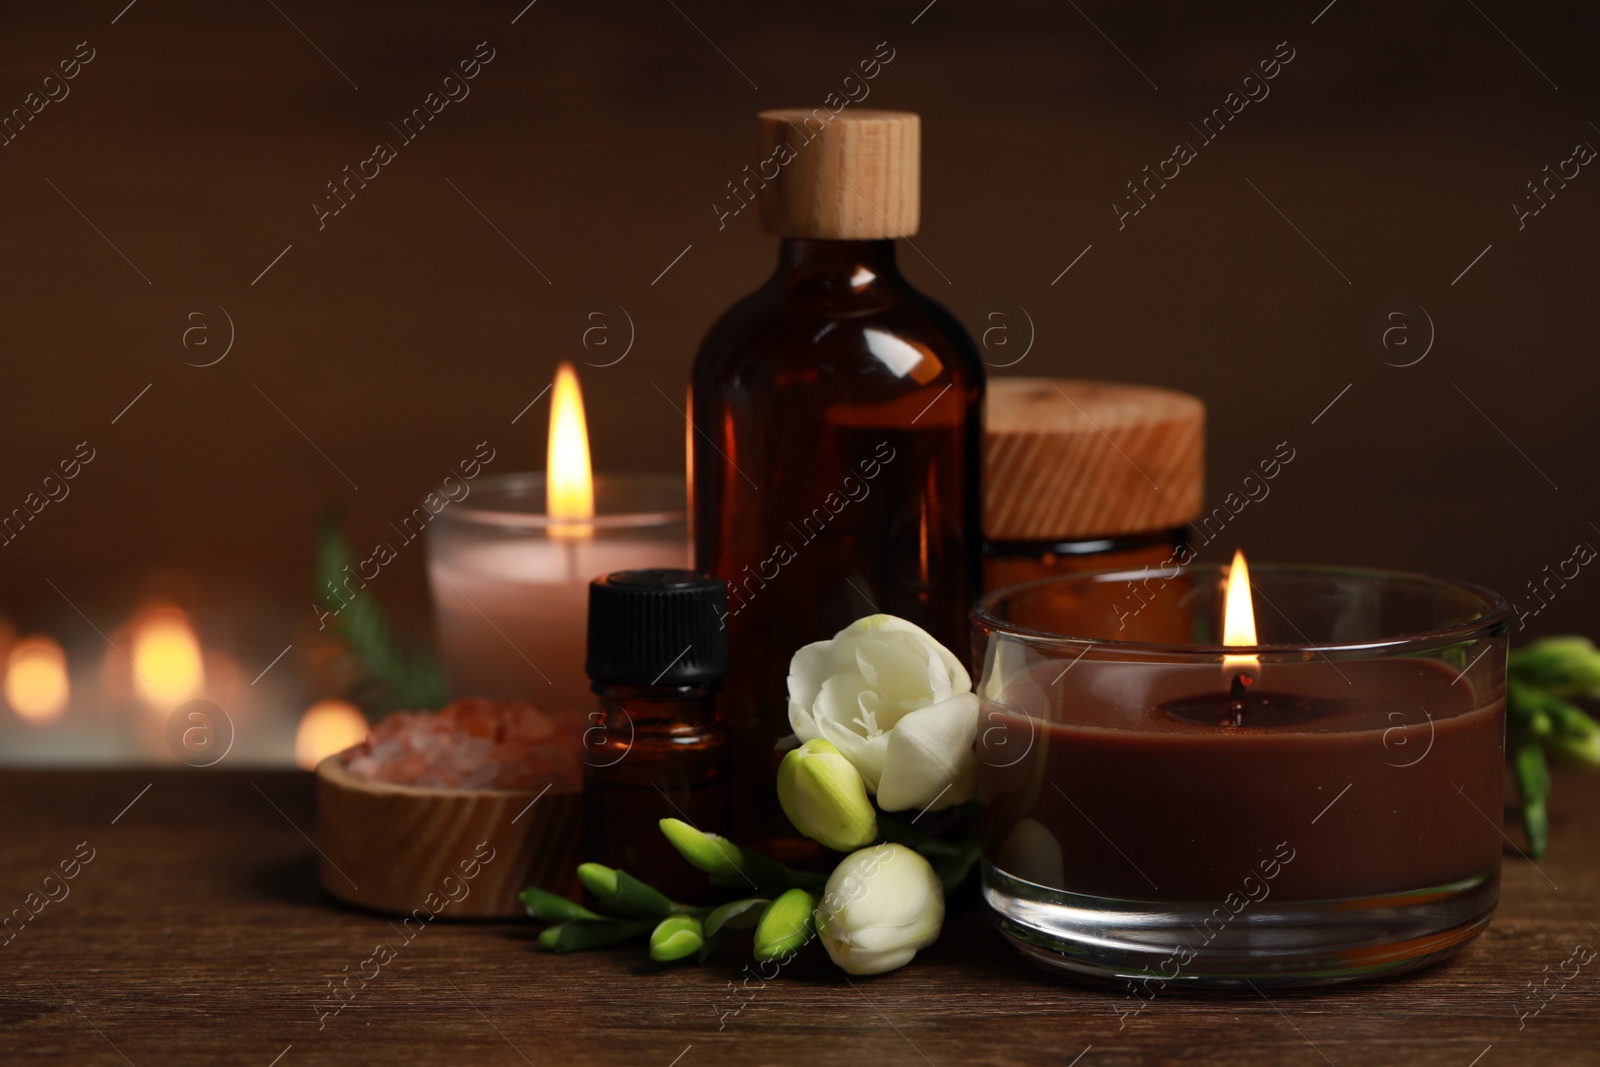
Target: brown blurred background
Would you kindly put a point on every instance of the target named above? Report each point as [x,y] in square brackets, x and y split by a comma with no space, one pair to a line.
[419,321]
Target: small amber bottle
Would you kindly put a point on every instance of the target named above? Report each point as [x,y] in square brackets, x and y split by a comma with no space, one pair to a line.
[836,425]
[655,748]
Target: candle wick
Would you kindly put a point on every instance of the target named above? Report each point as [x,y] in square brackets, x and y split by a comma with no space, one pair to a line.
[572,560]
[1236,691]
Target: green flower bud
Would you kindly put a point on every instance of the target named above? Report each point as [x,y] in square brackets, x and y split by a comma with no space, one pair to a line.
[676,937]
[1575,737]
[591,933]
[711,853]
[599,880]
[1566,666]
[729,866]
[1584,751]
[787,924]
[825,797]
[620,891]
[551,908]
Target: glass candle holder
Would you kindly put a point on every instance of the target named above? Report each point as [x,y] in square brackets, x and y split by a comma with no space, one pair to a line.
[511,585]
[1146,818]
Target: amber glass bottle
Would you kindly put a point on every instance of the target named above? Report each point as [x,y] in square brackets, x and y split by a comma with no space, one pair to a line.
[655,749]
[836,429]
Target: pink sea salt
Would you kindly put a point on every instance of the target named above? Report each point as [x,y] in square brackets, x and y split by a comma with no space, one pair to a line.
[472,744]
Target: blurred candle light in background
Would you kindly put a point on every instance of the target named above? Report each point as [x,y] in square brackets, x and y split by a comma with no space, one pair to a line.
[167,664]
[36,680]
[328,726]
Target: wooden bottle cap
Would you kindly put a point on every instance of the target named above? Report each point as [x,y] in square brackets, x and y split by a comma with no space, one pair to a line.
[1071,460]
[849,176]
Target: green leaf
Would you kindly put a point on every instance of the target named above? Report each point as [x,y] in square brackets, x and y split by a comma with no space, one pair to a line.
[735,915]
[902,833]
[953,871]
[398,677]
[952,861]
[711,944]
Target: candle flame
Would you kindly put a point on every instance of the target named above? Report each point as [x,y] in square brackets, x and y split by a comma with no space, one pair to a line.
[328,726]
[167,667]
[569,479]
[1238,616]
[36,679]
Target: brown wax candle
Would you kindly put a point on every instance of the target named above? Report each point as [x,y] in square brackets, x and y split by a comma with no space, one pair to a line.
[1178,789]
[1367,777]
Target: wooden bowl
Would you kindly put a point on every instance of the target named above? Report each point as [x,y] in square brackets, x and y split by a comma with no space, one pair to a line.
[463,853]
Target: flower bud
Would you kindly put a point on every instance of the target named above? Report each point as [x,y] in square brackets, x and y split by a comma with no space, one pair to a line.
[676,937]
[881,906]
[825,798]
[726,863]
[551,907]
[1565,666]
[599,880]
[621,891]
[1584,751]
[580,934]
[1573,735]
[712,853]
[785,925]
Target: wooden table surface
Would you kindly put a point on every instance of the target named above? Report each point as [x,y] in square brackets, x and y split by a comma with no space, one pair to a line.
[197,935]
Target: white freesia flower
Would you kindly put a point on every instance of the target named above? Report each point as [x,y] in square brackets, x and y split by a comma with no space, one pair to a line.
[880,907]
[899,706]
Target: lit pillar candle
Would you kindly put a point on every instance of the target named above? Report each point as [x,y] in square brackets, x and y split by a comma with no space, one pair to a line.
[510,566]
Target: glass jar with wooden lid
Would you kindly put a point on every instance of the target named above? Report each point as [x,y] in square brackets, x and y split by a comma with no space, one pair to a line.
[1081,476]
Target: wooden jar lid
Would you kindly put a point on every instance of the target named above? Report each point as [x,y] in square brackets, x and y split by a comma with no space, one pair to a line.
[1070,460]
[854,175]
